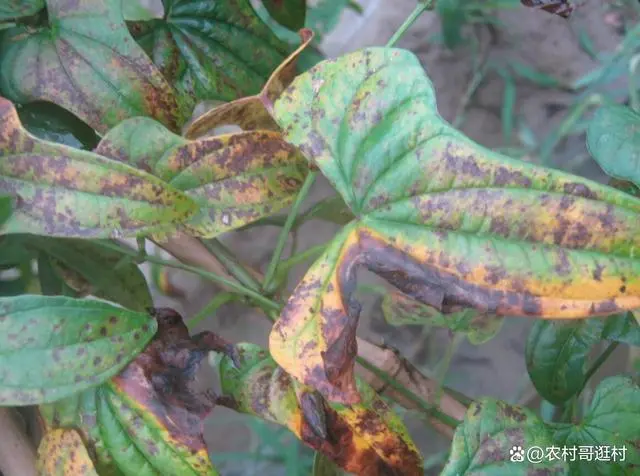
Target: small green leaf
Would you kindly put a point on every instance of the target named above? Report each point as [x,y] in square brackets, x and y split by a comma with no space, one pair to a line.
[10,9]
[50,122]
[212,50]
[613,138]
[148,420]
[323,466]
[613,420]
[556,352]
[51,284]
[452,17]
[54,346]
[61,191]
[86,61]
[399,309]
[622,328]
[6,208]
[95,269]
[289,13]
[493,440]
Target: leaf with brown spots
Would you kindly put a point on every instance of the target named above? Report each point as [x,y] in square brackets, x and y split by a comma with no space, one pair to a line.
[211,50]
[235,179]
[86,61]
[61,191]
[251,113]
[484,443]
[148,420]
[54,346]
[62,453]
[446,221]
[366,438]
[399,309]
[563,8]
[289,13]
[10,9]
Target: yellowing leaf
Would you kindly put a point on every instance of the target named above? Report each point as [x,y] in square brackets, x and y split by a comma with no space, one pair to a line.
[61,191]
[235,179]
[62,453]
[367,438]
[251,112]
[448,222]
[86,61]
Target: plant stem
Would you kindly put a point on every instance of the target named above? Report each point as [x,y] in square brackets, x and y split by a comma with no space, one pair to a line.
[211,307]
[421,7]
[598,362]
[284,233]
[257,297]
[232,265]
[446,363]
[426,407]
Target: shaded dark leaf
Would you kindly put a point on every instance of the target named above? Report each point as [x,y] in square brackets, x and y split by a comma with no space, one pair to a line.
[10,9]
[622,328]
[54,346]
[289,13]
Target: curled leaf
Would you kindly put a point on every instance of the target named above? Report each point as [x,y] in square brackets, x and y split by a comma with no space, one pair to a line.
[235,179]
[151,415]
[211,50]
[493,439]
[448,222]
[613,138]
[86,61]
[251,112]
[399,309]
[61,191]
[62,453]
[54,346]
[367,438]
[563,8]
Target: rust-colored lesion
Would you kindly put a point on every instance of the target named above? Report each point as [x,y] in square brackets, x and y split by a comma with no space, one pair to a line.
[253,112]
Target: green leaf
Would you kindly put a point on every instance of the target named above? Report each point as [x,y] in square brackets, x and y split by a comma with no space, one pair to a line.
[86,61]
[323,466]
[613,138]
[399,309]
[133,10]
[612,421]
[448,222]
[51,284]
[367,438]
[147,421]
[6,208]
[490,440]
[54,346]
[452,17]
[61,191]
[52,123]
[10,9]
[556,352]
[289,13]
[95,269]
[622,328]
[234,179]
[212,50]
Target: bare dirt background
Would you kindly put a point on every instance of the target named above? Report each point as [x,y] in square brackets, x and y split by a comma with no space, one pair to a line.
[497,368]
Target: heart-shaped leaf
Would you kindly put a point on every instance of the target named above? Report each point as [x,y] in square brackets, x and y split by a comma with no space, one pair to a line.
[94,269]
[289,13]
[212,50]
[54,346]
[61,191]
[445,220]
[149,419]
[622,328]
[10,9]
[609,430]
[86,61]
[235,178]
[493,440]
[251,113]
[62,453]
[556,352]
[613,138]
[367,438]
[399,309]
[563,8]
